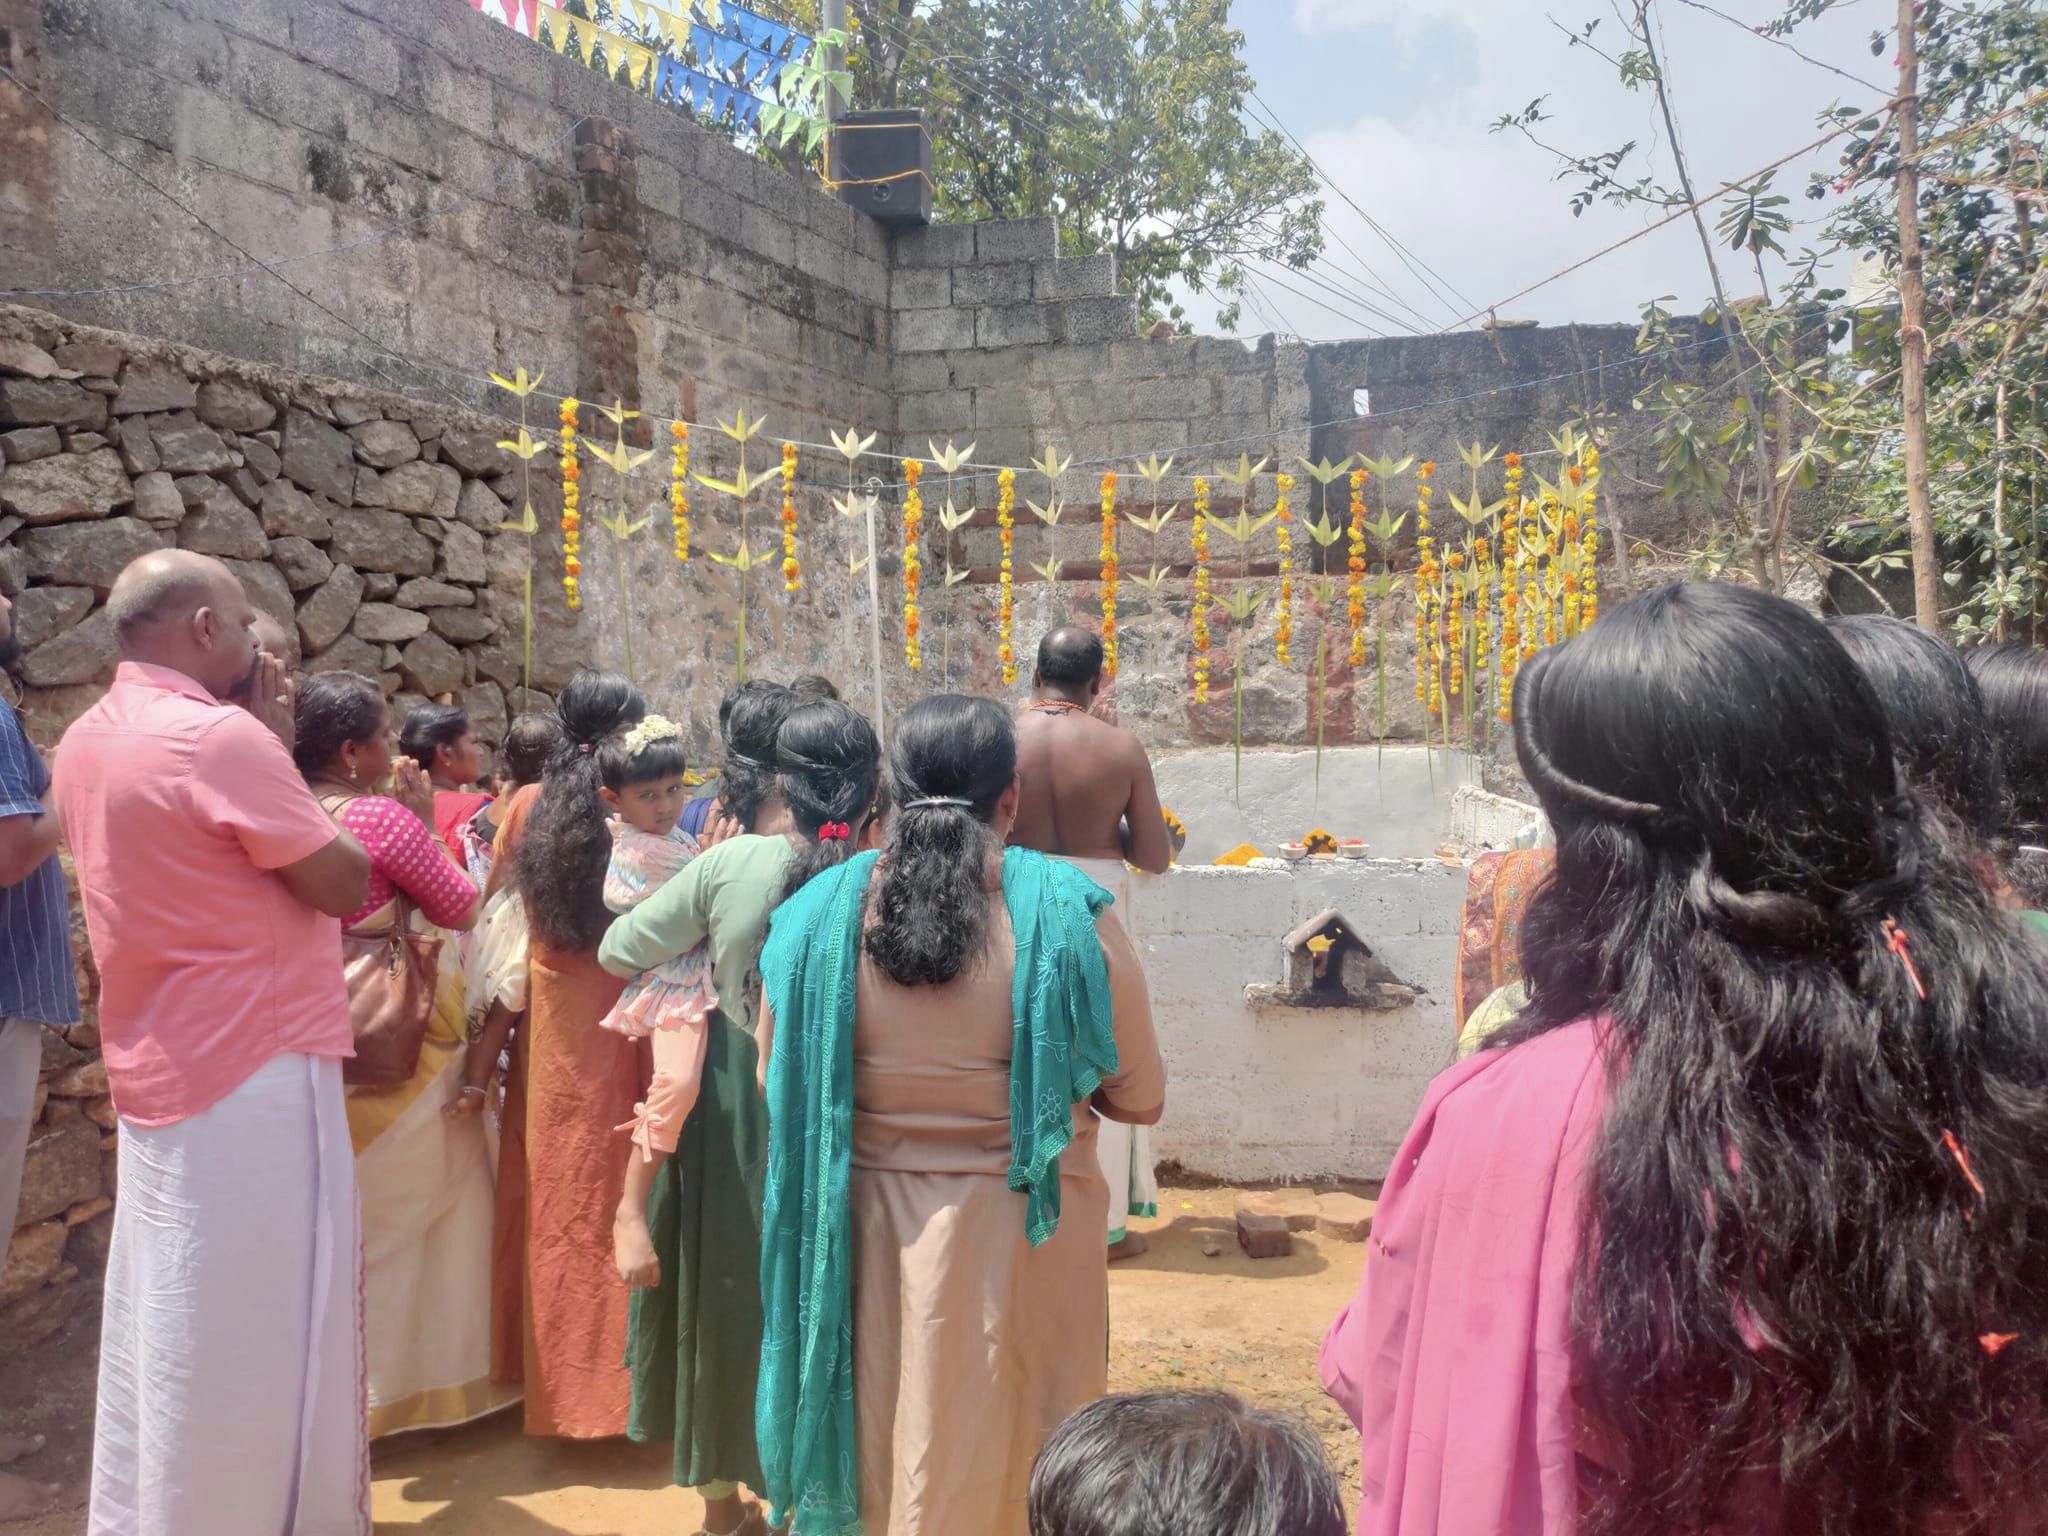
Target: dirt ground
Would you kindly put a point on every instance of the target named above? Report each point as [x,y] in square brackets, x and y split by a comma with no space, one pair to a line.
[1191,1312]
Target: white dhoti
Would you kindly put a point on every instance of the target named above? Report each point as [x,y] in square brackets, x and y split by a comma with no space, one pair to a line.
[1125,1151]
[231,1392]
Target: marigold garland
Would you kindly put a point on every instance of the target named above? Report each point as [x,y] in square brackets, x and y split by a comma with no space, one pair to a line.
[913,572]
[1354,591]
[792,573]
[1200,538]
[1109,574]
[572,514]
[1510,583]
[1429,651]
[1006,506]
[1283,516]
[1552,582]
[1589,542]
[678,487]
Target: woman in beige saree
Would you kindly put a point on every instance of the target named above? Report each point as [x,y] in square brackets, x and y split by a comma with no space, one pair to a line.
[423,1169]
[937,1024]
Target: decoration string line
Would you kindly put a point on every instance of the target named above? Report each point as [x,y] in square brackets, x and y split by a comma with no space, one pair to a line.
[1188,449]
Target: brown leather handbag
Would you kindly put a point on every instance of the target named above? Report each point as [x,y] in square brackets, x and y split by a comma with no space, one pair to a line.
[392,974]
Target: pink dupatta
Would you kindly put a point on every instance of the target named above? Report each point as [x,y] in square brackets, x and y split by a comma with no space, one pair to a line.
[1455,1358]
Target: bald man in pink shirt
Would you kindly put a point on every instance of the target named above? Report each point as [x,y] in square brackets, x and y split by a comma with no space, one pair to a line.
[230,1392]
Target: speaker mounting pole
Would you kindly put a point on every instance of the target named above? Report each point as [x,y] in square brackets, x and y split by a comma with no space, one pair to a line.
[834,13]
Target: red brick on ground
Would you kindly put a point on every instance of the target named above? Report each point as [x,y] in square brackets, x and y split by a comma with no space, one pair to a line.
[1297,1207]
[1263,1235]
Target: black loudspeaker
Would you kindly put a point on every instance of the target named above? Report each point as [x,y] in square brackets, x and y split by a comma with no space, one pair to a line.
[881,163]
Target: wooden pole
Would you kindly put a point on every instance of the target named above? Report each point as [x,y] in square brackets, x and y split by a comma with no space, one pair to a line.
[1913,334]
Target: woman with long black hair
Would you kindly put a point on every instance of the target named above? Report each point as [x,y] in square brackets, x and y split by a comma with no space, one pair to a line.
[939,1018]
[2013,680]
[1743,1225]
[572,1083]
[687,1235]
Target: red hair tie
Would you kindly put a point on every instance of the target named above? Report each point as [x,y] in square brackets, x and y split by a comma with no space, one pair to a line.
[1898,943]
[834,832]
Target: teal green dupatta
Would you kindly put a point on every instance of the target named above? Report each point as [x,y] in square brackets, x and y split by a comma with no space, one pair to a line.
[1062,1050]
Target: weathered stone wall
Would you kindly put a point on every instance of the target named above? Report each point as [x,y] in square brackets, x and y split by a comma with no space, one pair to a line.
[364,524]
[295,126]
[545,216]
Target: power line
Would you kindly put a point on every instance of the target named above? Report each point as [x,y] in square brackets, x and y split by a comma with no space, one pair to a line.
[1425,273]
[1779,42]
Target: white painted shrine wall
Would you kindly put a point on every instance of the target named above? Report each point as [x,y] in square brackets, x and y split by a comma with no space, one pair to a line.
[1401,809]
[1277,1093]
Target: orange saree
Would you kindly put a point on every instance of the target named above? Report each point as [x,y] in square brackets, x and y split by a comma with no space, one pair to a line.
[1497,891]
[558,1307]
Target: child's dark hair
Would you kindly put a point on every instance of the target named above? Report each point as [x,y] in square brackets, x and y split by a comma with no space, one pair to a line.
[750,718]
[428,729]
[2013,682]
[1940,733]
[623,760]
[827,763]
[562,857]
[529,744]
[950,762]
[1183,1464]
[332,710]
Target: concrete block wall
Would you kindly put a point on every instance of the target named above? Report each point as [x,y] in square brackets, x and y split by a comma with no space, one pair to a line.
[296,125]
[1283,1093]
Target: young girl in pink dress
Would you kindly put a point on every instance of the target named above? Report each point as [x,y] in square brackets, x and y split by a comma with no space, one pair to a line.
[641,776]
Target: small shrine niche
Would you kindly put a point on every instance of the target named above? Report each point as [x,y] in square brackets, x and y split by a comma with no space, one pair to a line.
[1330,966]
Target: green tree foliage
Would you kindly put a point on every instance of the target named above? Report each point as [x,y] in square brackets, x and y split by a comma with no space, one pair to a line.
[1120,118]
[1809,396]
[1983,187]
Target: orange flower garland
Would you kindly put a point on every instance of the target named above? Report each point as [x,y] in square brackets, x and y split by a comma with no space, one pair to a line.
[792,576]
[1201,601]
[1354,591]
[1589,543]
[1006,506]
[913,572]
[1510,583]
[572,515]
[678,487]
[1109,574]
[1285,534]
[1429,653]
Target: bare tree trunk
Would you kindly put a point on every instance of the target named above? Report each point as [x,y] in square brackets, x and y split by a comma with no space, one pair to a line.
[1913,333]
[1761,559]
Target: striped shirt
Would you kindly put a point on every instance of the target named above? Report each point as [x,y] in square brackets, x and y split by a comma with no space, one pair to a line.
[37,978]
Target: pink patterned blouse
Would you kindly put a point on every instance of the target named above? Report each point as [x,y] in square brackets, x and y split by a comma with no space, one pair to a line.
[405,856]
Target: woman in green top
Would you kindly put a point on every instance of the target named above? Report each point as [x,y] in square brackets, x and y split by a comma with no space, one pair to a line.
[688,1231]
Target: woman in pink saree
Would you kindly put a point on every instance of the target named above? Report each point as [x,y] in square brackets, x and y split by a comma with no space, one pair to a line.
[1741,1224]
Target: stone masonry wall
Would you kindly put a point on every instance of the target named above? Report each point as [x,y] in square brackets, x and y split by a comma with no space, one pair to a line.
[367,526]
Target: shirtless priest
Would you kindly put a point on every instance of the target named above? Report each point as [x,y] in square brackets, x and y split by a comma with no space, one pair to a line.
[1088,797]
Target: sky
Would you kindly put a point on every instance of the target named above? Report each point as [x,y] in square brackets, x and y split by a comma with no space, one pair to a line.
[1394,99]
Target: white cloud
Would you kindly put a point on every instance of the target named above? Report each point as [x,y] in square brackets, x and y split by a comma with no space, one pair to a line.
[1483,208]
